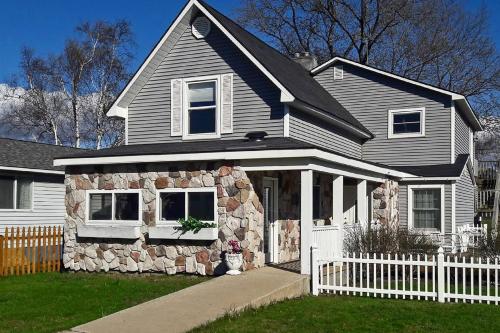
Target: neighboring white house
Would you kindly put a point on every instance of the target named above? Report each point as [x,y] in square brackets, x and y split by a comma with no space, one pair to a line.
[31,188]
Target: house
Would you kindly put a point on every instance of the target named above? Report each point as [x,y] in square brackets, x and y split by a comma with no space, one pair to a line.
[31,189]
[223,128]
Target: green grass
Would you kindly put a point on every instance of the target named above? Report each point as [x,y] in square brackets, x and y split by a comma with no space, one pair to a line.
[361,314]
[51,302]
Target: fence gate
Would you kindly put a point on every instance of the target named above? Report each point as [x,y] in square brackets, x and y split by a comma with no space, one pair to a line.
[32,250]
[436,277]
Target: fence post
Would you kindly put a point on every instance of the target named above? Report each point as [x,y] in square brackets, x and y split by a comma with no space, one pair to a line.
[314,270]
[440,275]
[1,255]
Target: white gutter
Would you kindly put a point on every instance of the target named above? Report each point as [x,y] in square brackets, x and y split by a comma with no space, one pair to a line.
[233,155]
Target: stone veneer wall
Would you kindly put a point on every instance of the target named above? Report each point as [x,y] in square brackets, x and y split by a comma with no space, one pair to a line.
[240,217]
[386,203]
[289,240]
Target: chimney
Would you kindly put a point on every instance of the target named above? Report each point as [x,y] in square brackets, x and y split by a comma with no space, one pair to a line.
[307,60]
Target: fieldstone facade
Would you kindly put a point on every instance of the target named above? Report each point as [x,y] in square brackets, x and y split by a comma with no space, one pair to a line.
[289,240]
[386,203]
[240,217]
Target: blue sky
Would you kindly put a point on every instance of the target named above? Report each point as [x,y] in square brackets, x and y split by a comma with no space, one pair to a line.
[45,25]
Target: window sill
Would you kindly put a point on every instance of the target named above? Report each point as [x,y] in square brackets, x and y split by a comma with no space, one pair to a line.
[108,231]
[172,232]
[409,135]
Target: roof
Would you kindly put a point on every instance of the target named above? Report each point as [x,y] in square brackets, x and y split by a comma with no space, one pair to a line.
[31,156]
[288,75]
[291,74]
[438,170]
[460,99]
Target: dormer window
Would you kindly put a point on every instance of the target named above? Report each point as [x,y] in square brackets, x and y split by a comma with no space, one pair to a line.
[406,123]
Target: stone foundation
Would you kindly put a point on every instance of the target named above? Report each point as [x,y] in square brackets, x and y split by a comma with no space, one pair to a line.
[386,203]
[240,217]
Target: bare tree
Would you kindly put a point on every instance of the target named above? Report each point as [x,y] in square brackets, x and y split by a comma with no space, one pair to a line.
[435,41]
[70,93]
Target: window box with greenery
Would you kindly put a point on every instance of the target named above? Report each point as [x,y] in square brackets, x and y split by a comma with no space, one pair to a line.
[186,214]
[112,214]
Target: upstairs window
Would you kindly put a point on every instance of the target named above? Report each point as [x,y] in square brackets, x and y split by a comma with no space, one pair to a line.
[202,107]
[406,123]
[114,206]
[16,193]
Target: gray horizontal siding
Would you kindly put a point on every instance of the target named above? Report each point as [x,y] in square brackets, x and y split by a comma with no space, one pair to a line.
[461,135]
[256,102]
[369,96]
[48,205]
[464,199]
[403,205]
[306,128]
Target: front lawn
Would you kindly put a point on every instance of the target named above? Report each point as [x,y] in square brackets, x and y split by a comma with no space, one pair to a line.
[361,314]
[50,302]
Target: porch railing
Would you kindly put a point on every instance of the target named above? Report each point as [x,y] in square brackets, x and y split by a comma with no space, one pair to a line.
[329,239]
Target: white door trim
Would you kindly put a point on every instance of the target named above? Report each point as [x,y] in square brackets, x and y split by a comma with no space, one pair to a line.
[273,232]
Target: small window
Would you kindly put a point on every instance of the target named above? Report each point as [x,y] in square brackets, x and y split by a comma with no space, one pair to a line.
[406,123]
[176,204]
[114,206]
[202,107]
[16,193]
[427,208]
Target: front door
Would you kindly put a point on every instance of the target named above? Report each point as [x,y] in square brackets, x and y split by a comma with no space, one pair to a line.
[271,226]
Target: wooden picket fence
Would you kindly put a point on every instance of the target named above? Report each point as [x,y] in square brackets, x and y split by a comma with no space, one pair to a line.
[30,251]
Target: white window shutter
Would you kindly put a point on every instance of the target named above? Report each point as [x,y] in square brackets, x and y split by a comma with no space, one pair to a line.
[227,103]
[176,107]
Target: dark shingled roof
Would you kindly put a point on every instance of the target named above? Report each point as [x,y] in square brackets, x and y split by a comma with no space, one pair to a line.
[197,147]
[437,170]
[289,73]
[31,155]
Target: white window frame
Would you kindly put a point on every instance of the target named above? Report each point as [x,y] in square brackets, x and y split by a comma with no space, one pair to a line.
[32,203]
[390,128]
[112,221]
[185,107]
[159,221]
[410,207]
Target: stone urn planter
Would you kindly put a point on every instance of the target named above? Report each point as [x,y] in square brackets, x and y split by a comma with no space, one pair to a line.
[233,263]
[234,258]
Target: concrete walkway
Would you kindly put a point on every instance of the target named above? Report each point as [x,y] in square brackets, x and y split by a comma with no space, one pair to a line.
[204,302]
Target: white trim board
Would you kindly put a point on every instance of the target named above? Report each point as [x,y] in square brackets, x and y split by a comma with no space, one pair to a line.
[454,96]
[43,171]
[235,155]
[122,111]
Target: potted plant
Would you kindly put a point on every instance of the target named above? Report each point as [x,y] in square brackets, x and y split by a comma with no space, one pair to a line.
[234,258]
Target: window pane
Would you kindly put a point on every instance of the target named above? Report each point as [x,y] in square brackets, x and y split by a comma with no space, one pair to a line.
[24,191]
[202,121]
[406,123]
[201,205]
[406,118]
[127,206]
[100,206]
[201,94]
[172,206]
[427,208]
[6,193]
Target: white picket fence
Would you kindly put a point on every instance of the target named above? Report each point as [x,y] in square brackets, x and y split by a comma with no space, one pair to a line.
[436,277]
[329,239]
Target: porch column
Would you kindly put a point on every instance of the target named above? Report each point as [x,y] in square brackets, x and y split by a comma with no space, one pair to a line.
[362,203]
[306,220]
[338,200]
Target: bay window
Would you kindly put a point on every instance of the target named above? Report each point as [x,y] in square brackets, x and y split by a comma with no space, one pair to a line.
[16,193]
[176,204]
[114,206]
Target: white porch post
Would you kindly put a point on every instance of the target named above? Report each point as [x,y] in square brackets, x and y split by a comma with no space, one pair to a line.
[362,203]
[338,200]
[306,220]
